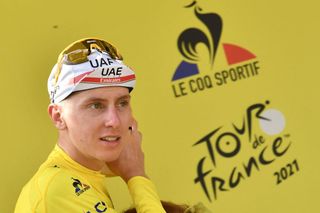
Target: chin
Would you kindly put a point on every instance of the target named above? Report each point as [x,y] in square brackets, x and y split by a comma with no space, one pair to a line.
[109,157]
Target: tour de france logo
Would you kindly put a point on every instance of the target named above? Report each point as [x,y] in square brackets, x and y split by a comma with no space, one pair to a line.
[236,152]
[188,78]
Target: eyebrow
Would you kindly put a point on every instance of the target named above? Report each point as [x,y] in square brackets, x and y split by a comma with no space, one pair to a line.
[98,99]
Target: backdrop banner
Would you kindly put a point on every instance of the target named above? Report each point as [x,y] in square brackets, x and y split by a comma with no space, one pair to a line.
[226,96]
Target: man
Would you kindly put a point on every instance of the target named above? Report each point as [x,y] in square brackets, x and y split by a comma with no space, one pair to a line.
[89,89]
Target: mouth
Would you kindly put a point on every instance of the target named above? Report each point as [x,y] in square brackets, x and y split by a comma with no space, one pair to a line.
[110,139]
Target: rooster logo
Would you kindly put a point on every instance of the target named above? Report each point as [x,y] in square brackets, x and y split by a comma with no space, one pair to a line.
[190,38]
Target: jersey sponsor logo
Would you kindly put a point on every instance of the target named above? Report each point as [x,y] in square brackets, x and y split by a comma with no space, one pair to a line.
[79,187]
[100,207]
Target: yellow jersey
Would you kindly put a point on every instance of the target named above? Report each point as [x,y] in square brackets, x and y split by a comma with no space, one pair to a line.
[62,185]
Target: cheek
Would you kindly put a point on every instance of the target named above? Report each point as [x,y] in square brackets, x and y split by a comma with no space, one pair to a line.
[77,123]
[127,120]
[71,120]
[83,132]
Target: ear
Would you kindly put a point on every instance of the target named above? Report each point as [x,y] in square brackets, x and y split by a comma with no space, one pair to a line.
[55,113]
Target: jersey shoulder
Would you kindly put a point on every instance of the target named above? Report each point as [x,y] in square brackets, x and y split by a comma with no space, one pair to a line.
[57,189]
[37,191]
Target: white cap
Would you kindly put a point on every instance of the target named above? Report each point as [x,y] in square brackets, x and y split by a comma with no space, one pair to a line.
[99,70]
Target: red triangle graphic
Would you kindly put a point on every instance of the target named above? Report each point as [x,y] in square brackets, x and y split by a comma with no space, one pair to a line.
[236,54]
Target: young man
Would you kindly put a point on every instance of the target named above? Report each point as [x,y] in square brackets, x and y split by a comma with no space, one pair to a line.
[89,88]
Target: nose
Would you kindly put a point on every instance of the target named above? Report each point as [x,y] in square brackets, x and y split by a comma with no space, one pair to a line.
[111,118]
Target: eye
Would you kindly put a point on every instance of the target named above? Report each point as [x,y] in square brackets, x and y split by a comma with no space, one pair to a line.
[123,103]
[96,105]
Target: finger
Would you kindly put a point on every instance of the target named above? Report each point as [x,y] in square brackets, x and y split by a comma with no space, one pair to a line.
[134,126]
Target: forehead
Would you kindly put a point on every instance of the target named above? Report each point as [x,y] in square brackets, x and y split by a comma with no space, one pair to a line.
[102,93]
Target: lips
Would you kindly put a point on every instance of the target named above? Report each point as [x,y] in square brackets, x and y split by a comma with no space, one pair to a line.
[110,138]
